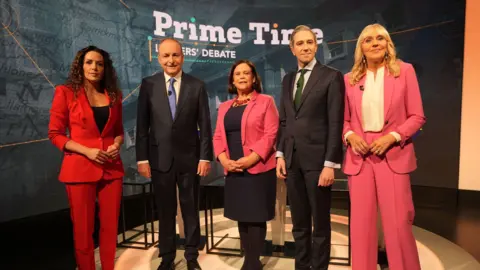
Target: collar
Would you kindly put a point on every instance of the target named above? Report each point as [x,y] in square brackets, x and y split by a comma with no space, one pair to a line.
[380,69]
[309,66]
[177,77]
[254,95]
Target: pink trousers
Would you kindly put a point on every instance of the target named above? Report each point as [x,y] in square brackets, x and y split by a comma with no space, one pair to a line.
[378,184]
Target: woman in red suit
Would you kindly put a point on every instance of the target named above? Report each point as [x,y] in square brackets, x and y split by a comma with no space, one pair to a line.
[89,105]
[244,142]
[383,110]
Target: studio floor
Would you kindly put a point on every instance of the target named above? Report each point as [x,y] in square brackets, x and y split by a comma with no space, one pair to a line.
[436,252]
[446,230]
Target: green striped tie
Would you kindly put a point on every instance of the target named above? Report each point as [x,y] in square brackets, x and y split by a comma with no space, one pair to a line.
[298,93]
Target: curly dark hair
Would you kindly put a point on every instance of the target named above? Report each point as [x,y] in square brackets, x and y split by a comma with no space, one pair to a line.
[109,80]
[257,85]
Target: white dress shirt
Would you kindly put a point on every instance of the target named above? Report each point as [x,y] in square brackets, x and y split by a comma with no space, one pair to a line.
[309,67]
[373,102]
[373,117]
[306,76]
[176,85]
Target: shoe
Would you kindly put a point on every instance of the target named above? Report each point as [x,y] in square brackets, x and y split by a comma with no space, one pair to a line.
[193,265]
[166,266]
[382,259]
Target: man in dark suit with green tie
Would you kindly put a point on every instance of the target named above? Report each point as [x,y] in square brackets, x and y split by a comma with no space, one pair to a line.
[309,146]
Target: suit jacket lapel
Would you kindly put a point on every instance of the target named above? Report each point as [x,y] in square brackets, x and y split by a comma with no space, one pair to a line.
[289,93]
[110,111]
[159,96]
[388,89]
[184,92]
[312,80]
[358,95]
[87,111]
[221,115]
[247,111]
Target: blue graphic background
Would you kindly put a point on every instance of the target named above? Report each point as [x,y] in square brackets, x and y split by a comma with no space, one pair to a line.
[39,39]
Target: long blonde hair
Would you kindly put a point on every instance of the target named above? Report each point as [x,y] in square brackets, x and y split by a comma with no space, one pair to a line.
[359,68]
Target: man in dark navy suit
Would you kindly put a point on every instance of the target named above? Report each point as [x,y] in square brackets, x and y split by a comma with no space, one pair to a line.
[172,105]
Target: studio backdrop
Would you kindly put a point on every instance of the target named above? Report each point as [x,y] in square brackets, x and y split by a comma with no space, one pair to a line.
[39,39]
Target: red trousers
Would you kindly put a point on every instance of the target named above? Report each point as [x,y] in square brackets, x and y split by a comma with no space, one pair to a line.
[82,198]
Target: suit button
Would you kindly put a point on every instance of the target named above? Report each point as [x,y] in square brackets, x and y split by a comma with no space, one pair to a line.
[386,122]
[296,117]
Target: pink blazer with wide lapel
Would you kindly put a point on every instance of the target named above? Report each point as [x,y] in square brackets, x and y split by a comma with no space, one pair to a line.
[403,111]
[259,131]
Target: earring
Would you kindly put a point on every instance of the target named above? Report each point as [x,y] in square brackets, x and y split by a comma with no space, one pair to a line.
[363,60]
[386,55]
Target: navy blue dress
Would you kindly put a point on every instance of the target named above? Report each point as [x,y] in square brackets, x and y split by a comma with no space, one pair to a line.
[248,197]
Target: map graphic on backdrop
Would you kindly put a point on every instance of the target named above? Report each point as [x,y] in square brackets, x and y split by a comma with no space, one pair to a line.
[39,39]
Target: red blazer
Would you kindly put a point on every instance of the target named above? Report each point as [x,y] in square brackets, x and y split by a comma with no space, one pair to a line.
[403,114]
[76,115]
[259,131]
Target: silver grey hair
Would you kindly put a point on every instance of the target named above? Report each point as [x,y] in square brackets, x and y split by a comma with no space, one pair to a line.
[301,28]
[172,39]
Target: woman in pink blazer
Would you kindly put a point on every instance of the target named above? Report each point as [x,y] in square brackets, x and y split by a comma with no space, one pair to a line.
[383,110]
[244,142]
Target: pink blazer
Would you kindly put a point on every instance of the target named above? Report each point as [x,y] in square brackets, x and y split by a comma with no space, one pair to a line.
[259,131]
[403,114]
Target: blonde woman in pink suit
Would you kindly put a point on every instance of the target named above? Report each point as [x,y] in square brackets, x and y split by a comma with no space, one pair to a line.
[383,110]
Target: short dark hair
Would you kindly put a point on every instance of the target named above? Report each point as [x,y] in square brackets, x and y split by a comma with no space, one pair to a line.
[257,85]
